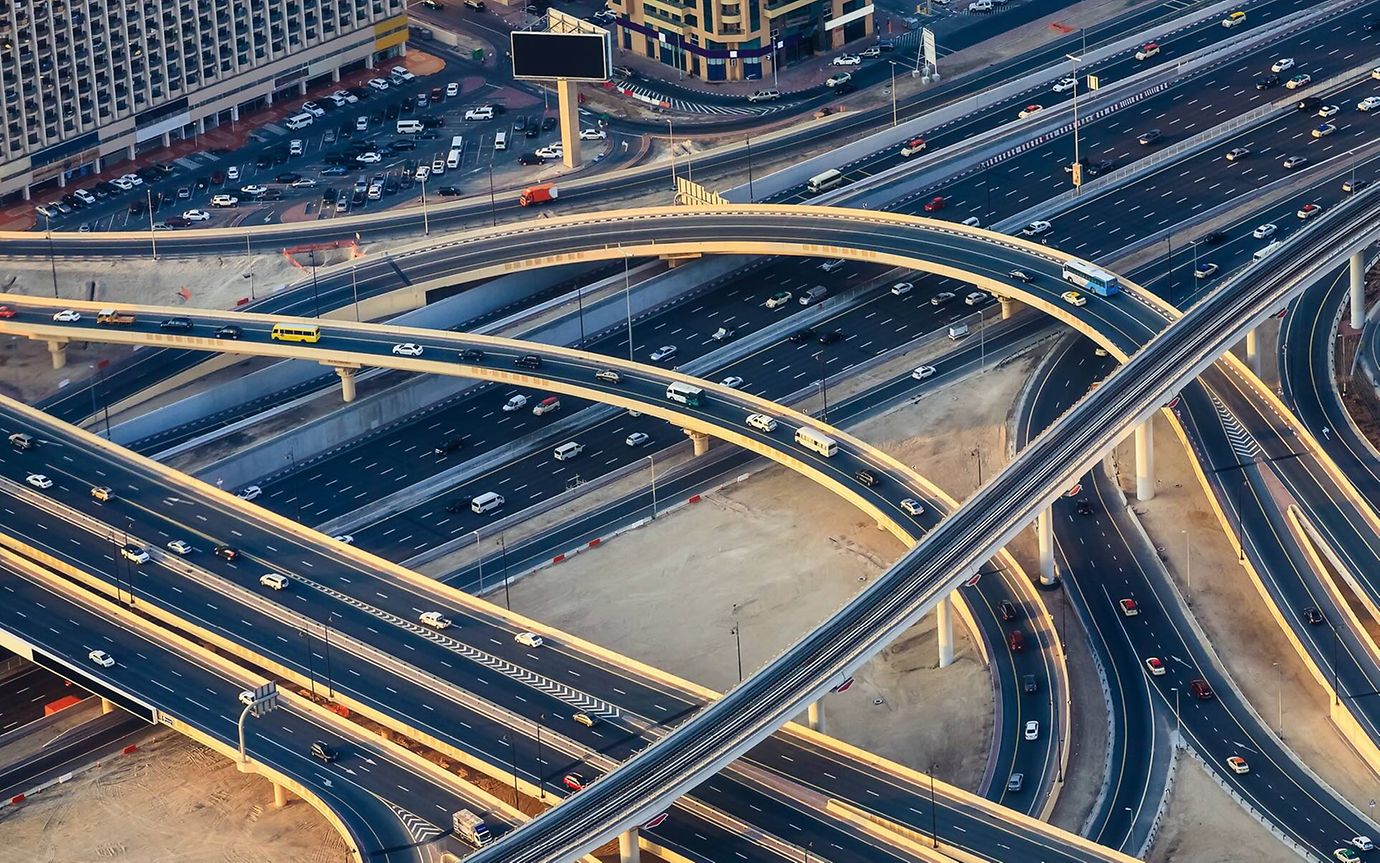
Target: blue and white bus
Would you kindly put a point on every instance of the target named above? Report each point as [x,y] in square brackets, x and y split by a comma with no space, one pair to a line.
[1095,279]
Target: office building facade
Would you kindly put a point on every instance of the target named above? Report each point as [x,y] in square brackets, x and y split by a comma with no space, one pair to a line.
[90,82]
[732,40]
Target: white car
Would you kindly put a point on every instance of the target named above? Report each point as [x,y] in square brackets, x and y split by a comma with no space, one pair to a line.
[846,60]
[762,423]
[923,372]
[434,619]
[196,215]
[913,506]
[1282,65]
[1370,103]
[900,289]
[122,183]
[408,349]
[249,492]
[665,352]
[67,316]
[101,658]
[453,88]
[1028,110]
[1329,111]
[838,78]
[1074,298]
[378,84]
[370,158]
[422,172]
[551,151]
[1032,729]
[528,639]
[346,96]
[1238,765]
[483,112]
[1037,228]
[733,382]
[232,172]
[273,581]
[516,403]
[296,147]
[974,299]
[224,201]
[38,480]
[313,109]
[134,554]
[1266,230]
[1063,85]
[133,179]
[345,538]
[593,134]
[637,439]
[401,73]
[180,546]
[1362,843]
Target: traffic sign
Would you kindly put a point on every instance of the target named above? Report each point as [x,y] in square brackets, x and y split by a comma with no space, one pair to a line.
[655,822]
[972,582]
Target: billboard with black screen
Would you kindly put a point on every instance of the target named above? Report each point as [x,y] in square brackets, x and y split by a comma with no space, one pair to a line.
[573,56]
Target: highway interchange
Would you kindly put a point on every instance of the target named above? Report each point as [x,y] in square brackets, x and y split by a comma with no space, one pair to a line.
[926,288]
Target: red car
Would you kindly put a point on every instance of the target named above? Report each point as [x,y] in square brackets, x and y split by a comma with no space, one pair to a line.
[6,312]
[935,205]
[573,781]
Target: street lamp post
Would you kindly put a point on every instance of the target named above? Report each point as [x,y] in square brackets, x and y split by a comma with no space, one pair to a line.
[52,258]
[153,235]
[627,296]
[651,464]
[1188,566]
[354,288]
[480,549]
[1074,61]
[934,812]
[426,223]
[326,636]
[311,675]
[823,383]
[751,197]
[503,556]
[493,201]
[1279,696]
[671,133]
[893,93]
[541,787]
[738,642]
[1175,690]
[977,454]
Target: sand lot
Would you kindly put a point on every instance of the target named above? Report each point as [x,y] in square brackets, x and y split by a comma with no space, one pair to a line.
[173,801]
[777,554]
[1203,825]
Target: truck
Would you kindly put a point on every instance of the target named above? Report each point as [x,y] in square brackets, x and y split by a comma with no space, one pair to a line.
[114,318]
[534,195]
[471,827]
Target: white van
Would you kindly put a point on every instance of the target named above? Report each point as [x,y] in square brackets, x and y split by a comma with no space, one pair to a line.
[813,295]
[486,502]
[299,121]
[453,159]
[568,450]
[501,141]
[958,331]
[822,182]
[410,127]
[457,142]
[816,440]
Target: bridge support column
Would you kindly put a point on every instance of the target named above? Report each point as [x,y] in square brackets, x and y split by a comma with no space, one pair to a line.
[1009,306]
[568,109]
[1253,351]
[701,441]
[1358,291]
[58,351]
[1044,530]
[815,715]
[107,706]
[945,627]
[1145,460]
[335,75]
[628,849]
[279,796]
[347,383]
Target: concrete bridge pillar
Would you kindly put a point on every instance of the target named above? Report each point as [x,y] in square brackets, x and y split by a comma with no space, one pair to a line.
[1253,351]
[58,350]
[347,383]
[1009,306]
[1145,460]
[628,849]
[815,715]
[701,441]
[945,628]
[107,706]
[1358,291]
[335,75]
[1044,530]
[279,796]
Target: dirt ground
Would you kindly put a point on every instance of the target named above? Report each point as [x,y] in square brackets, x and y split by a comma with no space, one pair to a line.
[777,554]
[1236,620]
[171,802]
[1203,825]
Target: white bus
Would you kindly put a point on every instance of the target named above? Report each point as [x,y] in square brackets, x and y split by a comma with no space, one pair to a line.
[1095,279]
[822,182]
[685,394]
[817,441]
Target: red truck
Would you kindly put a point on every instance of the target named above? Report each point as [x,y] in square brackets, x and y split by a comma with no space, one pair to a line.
[537,195]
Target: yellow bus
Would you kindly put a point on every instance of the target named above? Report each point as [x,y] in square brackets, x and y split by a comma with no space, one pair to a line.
[296,333]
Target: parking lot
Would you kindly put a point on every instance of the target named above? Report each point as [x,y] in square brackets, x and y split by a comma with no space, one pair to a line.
[350,157]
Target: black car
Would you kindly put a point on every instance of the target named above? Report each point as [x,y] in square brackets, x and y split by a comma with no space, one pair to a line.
[1101,166]
[433,122]
[226,552]
[1213,238]
[403,145]
[828,337]
[1085,506]
[1007,610]
[323,752]
[448,191]
[532,130]
[451,445]
[73,201]
[844,88]
[1028,683]
[865,477]
[460,504]
[148,173]
[1309,103]
[470,355]
[392,112]
[1313,616]
[801,335]
[1021,276]
[136,208]
[548,123]
[1265,82]
[528,361]
[264,161]
[531,159]
[287,178]
[1371,24]
[229,331]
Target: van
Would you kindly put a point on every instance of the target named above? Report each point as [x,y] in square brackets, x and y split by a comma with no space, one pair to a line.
[958,331]
[550,404]
[500,141]
[21,441]
[825,181]
[457,142]
[814,295]
[568,450]
[486,502]
[1015,639]
[299,121]
[453,159]
[410,127]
